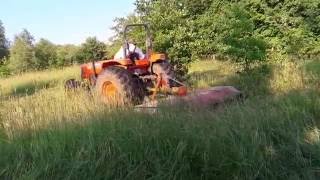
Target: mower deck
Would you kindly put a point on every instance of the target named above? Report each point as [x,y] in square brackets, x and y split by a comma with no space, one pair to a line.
[198,98]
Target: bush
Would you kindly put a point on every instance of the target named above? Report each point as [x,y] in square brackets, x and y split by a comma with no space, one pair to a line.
[46,54]
[239,41]
[4,71]
[91,49]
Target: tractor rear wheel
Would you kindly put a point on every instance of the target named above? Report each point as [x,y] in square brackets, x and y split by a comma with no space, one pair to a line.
[166,70]
[119,86]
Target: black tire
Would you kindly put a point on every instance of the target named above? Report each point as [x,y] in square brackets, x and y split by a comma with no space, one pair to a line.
[72,84]
[165,69]
[130,89]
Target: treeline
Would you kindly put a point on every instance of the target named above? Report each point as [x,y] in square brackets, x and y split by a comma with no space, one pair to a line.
[24,54]
[245,31]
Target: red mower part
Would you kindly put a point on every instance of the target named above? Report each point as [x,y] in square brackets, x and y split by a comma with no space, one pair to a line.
[214,95]
[199,98]
[180,91]
[206,97]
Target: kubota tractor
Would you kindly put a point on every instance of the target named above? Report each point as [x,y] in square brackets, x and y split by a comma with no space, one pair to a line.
[130,80]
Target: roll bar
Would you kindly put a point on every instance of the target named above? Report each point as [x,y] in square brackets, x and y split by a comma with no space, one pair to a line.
[148,38]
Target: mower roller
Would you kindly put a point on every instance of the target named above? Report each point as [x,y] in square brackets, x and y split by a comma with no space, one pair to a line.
[130,80]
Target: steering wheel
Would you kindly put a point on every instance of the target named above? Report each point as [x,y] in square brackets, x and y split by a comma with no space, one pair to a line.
[133,56]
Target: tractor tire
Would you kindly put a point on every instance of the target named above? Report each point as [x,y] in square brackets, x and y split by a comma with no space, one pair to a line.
[119,86]
[166,70]
[72,84]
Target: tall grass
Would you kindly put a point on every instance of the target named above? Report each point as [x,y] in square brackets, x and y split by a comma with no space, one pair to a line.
[273,134]
[28,83]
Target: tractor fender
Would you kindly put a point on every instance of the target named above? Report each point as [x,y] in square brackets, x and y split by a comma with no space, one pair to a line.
[154,62]
[157,57]
[112,63]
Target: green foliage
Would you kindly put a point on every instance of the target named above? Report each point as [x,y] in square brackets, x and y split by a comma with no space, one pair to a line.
[169,24]
[112,49]
[4,70]
[67,55]
[120,24]
[194,8]
[291,27]
[22,55]
[171,33]
[3,43]
[92,49]
[191,29]
[143,7]
[227,29]
[313,68]
[46,54]
[298,42]
[135,34]
[4,52]
[236,30]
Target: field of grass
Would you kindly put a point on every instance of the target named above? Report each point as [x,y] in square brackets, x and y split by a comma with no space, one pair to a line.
[29,83]
[272,134]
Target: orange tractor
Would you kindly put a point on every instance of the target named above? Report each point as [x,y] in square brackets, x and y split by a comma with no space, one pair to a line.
[130,80]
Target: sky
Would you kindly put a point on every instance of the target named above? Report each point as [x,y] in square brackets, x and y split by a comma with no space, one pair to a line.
[63,21]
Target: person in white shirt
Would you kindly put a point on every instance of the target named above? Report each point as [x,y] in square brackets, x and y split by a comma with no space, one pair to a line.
[133,52]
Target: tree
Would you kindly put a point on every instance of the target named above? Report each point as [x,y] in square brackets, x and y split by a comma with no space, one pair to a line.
[237,34]
[190,29]
[194,8]
[67,55]
[144,7]
[46,54]
[3,43]
[91,49]
[22,56]
[170,25]
[137,34]
[285,23]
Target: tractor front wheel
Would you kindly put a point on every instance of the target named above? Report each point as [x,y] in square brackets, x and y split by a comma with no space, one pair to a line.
[119,86]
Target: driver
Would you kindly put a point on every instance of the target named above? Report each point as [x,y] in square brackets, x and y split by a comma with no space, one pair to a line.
[133,52]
